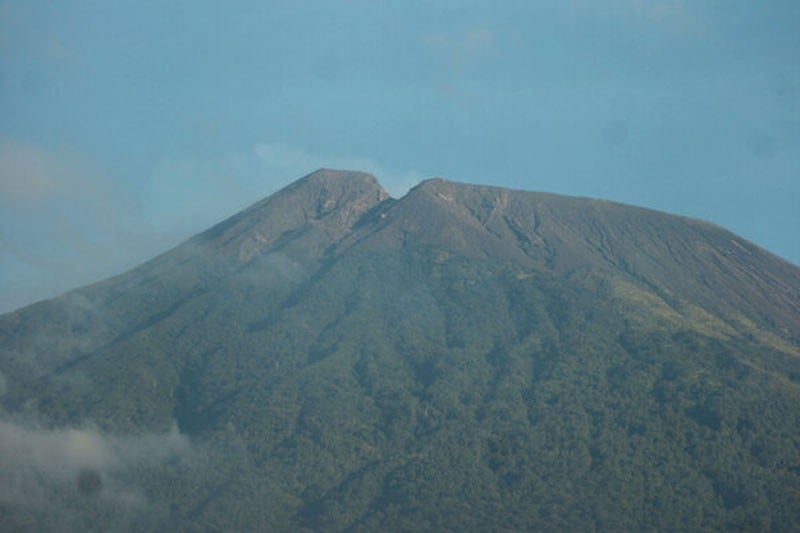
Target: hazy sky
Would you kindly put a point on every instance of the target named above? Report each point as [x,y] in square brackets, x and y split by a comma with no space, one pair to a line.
[127,126]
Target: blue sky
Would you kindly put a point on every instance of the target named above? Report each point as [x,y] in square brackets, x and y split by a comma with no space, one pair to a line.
[127,126]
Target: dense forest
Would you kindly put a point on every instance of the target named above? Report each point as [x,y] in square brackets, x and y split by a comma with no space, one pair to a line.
[345,374]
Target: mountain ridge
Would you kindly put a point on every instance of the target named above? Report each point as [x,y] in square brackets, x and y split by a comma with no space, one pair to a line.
[329,212]
[463,357]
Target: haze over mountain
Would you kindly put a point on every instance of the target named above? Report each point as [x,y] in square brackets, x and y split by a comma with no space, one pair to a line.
[462,358]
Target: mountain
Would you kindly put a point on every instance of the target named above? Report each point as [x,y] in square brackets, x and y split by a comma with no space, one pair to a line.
[462,358]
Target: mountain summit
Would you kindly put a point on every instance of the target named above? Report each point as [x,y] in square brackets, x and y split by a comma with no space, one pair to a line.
[323,206]
[464,357]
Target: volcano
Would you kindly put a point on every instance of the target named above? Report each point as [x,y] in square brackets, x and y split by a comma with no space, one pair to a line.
[462,358]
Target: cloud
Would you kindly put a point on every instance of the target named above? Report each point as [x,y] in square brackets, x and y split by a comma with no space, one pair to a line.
[187,195]
[62,222]
[26,174]
[41,465]
[65,222]
[285,159]
[61,177]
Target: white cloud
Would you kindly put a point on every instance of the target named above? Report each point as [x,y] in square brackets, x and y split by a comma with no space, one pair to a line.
[35,461]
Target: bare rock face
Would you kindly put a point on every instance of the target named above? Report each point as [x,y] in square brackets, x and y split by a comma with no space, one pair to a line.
[680,260]
[326,204]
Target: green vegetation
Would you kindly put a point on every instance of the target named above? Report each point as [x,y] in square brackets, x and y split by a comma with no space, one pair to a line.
[417,387]
[406,392]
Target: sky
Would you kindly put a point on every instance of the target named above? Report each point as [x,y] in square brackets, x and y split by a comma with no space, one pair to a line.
[128,126]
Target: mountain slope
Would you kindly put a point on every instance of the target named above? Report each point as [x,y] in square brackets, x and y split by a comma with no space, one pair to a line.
[464,357]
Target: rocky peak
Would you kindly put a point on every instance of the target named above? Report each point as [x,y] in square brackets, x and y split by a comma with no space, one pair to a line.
[326,201]
[327,190]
